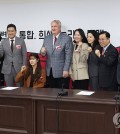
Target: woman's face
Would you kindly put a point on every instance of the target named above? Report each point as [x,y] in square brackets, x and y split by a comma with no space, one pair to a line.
[90,38]
[33,61]
[77,37]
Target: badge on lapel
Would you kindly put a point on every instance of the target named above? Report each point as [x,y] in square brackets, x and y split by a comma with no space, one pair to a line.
[18,46]
[58,47]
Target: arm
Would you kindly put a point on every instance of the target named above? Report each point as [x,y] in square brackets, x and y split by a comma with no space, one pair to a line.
[20,75]
[1,50]
[109,59]
[41,82]
[68,54]
[24,53]
[43,49]
[84,53]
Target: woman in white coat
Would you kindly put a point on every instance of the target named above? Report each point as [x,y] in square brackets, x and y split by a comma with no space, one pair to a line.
[79,66]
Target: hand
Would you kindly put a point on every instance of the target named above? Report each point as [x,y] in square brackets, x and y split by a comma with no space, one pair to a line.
[97,52]
[23,68]
[89,49]
[65,74]
[43,50]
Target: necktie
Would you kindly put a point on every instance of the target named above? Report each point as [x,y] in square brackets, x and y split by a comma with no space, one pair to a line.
[55,39]
[103,51]
[12,46]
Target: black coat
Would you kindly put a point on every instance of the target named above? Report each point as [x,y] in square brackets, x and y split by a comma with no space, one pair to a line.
[93,64]
[108,68]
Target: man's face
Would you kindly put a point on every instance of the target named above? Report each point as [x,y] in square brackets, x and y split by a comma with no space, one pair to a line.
[103,40]
[55,28]
[11,32]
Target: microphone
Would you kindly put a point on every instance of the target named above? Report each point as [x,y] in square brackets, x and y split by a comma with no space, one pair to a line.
[117,97]
[62,91]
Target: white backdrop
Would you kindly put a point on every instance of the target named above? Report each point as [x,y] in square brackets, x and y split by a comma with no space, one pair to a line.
[35,16]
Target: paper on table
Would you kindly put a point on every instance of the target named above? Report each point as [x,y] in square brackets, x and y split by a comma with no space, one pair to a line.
[85,93]
[8,88]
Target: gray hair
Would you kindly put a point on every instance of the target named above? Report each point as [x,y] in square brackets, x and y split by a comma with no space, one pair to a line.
[57,21]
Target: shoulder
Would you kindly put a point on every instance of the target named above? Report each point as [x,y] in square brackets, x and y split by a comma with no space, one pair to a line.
[112,48]
[65,36]
[48,36]
[85,45]
[19,39]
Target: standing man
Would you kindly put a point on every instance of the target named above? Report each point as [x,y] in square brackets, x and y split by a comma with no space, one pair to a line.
[107,56]
[15,55]
[59,49]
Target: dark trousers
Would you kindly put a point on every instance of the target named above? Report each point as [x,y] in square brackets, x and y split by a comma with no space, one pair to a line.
[57,82]
[81,84]
[94,85]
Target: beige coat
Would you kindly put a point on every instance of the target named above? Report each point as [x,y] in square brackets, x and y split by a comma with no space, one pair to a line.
[79,66]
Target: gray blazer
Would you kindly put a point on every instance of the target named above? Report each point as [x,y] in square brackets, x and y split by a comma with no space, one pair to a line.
[59,55]
[18,57]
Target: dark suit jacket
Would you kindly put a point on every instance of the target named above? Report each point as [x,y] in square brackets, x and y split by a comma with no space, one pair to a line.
[93,64]
[108,68]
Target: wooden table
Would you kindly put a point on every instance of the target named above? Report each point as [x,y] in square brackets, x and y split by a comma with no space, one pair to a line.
[41,111]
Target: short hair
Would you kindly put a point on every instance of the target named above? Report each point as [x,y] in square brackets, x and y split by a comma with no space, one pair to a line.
[57,21]
[11,25]
[106,33]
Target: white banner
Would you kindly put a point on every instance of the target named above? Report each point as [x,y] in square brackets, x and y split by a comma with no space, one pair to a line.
[33,17]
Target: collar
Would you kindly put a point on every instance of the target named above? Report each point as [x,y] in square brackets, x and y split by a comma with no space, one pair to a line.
[56,36]
[12,39]
[106,47]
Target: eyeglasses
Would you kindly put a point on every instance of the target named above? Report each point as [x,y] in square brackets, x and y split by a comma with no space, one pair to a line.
[103,39]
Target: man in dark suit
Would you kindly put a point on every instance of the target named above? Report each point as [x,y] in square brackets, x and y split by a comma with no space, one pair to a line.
[59,49]
[15,55]
[107,56]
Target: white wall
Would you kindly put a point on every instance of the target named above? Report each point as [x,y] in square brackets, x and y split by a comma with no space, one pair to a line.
[36,15]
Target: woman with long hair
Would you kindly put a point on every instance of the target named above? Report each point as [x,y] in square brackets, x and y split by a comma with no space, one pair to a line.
[34,76]
[79,66]
[92,37]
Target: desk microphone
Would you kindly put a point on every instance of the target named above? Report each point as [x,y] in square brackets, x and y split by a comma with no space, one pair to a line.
[117,96]
[62,92]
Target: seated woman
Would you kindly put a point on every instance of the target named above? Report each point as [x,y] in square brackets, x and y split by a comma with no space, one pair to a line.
[34,76]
